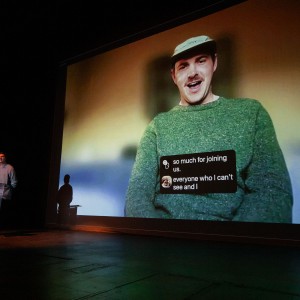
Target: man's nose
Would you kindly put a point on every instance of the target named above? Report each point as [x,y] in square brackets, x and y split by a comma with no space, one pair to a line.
[192,71]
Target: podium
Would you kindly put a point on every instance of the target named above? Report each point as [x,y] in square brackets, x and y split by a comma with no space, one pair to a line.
[73,214]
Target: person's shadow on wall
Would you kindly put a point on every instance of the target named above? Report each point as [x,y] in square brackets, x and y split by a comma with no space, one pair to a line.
[64,199]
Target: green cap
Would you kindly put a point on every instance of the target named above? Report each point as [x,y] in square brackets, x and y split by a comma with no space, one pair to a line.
[191,46]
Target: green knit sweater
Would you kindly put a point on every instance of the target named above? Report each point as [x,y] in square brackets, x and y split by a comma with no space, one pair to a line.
[264,191]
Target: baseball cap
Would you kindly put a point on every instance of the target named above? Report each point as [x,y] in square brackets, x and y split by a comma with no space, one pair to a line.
[192,46]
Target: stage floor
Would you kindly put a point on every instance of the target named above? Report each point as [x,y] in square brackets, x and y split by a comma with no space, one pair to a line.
[66,264]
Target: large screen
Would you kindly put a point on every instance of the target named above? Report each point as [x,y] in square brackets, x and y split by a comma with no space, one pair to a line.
[111,98]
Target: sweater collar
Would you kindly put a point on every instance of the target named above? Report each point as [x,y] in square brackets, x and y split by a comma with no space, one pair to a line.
[198,107]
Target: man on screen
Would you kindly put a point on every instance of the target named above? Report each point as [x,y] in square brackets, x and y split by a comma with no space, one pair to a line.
[204,122]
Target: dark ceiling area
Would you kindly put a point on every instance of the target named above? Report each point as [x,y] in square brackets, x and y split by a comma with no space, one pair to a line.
[62,29]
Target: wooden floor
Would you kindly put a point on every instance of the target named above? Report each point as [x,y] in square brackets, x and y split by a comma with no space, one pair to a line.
[65,264]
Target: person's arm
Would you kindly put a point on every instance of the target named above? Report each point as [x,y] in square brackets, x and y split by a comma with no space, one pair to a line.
[71,195]
[268,188]
[13,178]
[142,185]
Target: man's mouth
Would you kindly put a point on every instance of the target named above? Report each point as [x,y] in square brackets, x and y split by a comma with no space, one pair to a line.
[194,85]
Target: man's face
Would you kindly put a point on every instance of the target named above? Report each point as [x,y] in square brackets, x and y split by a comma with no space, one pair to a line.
[193,78]
[2,158]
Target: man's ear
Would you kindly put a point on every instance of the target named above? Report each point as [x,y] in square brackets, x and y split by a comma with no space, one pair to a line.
[173,75]
[215,62]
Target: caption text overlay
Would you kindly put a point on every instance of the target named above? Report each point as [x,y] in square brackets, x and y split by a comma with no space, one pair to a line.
[198,173]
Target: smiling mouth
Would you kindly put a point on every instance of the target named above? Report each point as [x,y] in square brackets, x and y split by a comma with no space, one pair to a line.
[194,84]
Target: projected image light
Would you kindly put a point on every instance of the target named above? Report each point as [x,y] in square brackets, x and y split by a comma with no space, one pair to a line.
[113,96]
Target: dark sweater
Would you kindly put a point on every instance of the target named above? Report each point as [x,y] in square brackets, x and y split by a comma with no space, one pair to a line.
[264,191]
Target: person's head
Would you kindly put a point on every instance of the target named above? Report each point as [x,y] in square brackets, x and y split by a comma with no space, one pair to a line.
[2,158]
[193,64]
[67,178]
